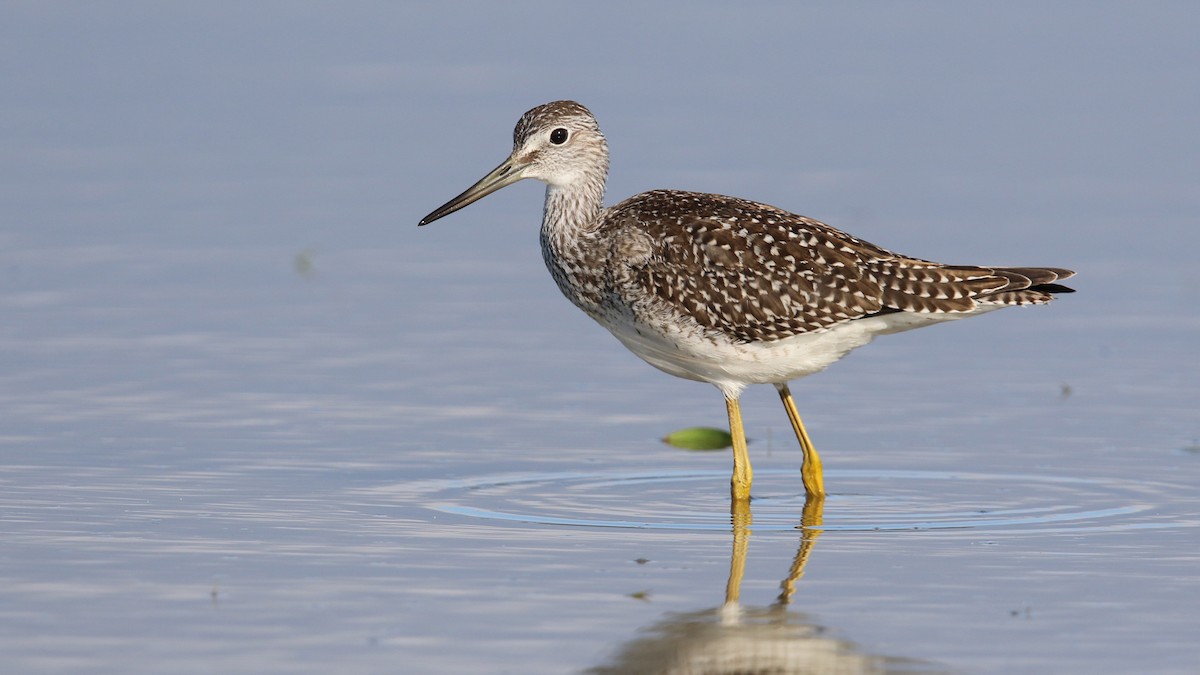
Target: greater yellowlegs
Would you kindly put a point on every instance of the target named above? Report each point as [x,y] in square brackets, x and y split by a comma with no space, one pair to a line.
[724,290]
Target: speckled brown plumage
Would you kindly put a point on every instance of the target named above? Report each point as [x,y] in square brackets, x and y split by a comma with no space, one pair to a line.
[759,273]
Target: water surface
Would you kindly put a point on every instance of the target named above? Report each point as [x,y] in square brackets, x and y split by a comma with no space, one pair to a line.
[253,420]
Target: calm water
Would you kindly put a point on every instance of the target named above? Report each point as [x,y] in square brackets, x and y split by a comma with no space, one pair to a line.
[253,420]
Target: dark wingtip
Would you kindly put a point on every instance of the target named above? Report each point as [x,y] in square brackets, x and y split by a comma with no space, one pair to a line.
[1053,288]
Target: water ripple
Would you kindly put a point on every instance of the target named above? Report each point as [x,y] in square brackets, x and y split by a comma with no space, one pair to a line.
[868,500]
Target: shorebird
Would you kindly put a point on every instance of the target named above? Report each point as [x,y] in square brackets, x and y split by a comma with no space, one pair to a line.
[725,290]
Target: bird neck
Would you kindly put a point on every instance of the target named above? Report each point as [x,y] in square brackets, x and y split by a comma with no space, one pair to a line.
[573,209]
[571,247]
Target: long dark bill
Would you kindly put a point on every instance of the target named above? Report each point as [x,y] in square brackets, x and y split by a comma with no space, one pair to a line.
[502,176]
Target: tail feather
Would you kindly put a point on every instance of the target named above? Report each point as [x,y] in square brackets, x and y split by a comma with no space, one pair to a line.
[1027,286]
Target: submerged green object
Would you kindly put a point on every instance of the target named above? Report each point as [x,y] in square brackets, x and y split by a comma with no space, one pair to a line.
[699,438]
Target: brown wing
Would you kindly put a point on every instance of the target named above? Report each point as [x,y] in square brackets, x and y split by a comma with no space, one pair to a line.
[758,273]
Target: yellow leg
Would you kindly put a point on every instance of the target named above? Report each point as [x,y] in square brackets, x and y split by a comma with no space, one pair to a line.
[810,473]
[743,475]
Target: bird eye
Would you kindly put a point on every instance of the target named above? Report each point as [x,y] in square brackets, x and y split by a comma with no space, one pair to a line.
[558,136]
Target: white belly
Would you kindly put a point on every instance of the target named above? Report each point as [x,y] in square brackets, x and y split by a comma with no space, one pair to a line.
[731,366]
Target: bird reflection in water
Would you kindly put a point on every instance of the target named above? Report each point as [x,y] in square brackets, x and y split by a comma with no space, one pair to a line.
[734,638]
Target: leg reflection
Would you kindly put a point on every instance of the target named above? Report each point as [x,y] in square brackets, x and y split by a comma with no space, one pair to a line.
[811,519]
[739,515]
[736,638]
[810,528]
